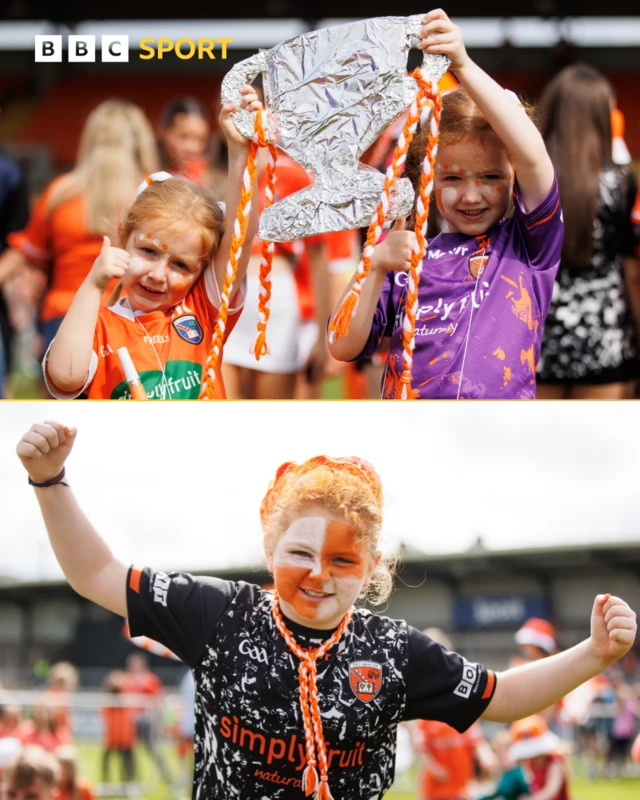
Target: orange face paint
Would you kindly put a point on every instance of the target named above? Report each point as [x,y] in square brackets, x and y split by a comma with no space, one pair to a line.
[319,570]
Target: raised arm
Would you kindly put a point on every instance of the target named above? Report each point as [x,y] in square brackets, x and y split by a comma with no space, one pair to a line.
[69,357]
[517,132]
[86,561]
[529,689]
[238,147]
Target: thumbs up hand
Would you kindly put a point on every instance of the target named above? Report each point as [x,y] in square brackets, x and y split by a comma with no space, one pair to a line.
[111,263]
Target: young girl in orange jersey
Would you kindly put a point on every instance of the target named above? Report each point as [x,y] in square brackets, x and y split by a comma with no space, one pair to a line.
[297,691]
[172,262]
[64,234]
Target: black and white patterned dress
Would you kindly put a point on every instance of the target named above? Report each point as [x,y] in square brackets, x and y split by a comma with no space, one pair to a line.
[249,735]
[589,334]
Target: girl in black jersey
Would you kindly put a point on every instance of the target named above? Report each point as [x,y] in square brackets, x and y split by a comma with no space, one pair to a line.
[297,692]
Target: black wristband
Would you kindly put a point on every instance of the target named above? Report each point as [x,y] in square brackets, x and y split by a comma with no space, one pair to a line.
[51,482]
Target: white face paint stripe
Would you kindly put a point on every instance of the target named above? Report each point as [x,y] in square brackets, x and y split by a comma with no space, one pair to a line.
[308,534]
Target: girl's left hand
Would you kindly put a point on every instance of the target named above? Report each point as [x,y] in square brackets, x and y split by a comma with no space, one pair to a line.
[439,35]
[249,101]
[613,628]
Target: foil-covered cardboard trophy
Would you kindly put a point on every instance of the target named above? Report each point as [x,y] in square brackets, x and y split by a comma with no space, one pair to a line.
[328,95]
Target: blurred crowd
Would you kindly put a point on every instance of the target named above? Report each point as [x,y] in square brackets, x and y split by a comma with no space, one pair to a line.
[48,243]
[45,745]
[47,753]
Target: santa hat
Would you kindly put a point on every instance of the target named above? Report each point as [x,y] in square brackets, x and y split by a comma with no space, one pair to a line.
[538,632]
[531,738]
[619,150]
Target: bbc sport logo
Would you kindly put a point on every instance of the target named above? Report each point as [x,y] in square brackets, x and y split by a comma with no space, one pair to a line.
[115,48]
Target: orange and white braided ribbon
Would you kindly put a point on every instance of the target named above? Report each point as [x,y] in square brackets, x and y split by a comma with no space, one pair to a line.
[260,346]
[405,391]
[428,97]
[212,364]
[316,750]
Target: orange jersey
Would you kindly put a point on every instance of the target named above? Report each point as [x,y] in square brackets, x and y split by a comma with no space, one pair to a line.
[168,348]
[59,241]
[454,751]
[119,727]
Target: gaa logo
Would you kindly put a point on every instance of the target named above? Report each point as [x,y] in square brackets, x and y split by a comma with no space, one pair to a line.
[114,47]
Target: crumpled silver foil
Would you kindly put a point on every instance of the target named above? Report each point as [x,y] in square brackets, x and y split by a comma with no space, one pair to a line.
[329,94]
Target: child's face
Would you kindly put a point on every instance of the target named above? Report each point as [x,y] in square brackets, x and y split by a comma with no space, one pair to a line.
[162,269]
[186,138]
[473,182]
[38,790]
[319,569]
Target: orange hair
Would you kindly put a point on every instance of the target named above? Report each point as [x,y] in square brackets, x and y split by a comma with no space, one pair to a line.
[179,206]
[347,487]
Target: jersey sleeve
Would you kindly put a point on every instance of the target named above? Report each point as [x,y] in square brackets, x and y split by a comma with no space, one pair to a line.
[444,686]
[384,316]
[34,241]
[541,230]
[178,610]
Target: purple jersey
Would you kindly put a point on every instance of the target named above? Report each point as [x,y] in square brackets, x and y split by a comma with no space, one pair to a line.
[482,302]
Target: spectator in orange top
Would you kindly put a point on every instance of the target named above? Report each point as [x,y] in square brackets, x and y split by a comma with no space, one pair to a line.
[299,307]
[537,747]
[10,720]
[119,728]
[70,786]
[42,730]
[61,680]
[184,138]
[139,680]
[448,758]
[32,775]
[64,235]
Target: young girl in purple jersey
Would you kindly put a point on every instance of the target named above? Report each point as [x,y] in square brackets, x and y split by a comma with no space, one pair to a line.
[299,693]
[486,281]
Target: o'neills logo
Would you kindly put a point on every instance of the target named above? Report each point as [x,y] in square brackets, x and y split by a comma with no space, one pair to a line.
[279,750]
[365,678]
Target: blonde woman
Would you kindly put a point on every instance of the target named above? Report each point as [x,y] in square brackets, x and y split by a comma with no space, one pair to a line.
[64,234]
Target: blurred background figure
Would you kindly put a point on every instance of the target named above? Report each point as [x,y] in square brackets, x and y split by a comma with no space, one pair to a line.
[139,680]
[511,783]
[538,749]
[43,730]
[119,725]
[184,138]
[32,775]
[14,213]
[448,760]
[590,341]
[70,785]
[64,234]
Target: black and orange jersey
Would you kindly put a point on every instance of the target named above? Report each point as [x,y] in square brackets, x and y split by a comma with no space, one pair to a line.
[249,734]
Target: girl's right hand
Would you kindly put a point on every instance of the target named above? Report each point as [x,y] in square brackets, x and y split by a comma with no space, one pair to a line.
[44,449]
[111,263]
[394,253]
[441,36]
